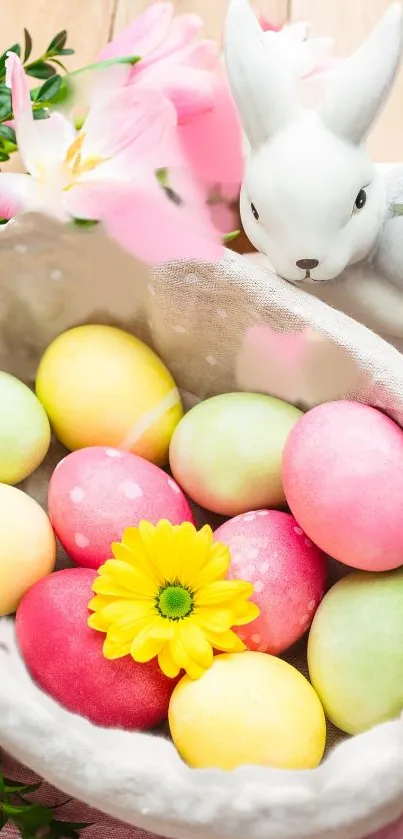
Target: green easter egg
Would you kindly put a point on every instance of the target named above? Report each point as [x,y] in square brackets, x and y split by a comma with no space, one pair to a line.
[24,430]
[226,452]
[355,650]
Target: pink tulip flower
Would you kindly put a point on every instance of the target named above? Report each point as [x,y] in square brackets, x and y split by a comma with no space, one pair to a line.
[107,172]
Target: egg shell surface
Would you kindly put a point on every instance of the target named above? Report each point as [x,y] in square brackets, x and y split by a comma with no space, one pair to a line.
[64,657]
[288,572]
[95,493]
[343,480]
[226,452]
[27,546]
[355,650]
[248,708]
[24,430]
[102,386]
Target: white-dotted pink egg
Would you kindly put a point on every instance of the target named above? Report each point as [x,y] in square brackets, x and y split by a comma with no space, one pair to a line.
[95,493]
[287,570]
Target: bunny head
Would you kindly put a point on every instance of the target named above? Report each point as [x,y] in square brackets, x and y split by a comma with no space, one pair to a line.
[312,200]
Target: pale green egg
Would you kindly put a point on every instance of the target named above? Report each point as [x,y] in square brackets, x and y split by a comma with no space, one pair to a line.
[226,453]
[24,430]
[355,650]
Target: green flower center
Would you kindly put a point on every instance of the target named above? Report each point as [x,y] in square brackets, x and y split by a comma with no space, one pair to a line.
[174,602]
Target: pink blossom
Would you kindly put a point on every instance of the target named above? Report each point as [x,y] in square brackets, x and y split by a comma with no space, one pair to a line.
[107,172]
[190,74]
[268,26]
[171,59]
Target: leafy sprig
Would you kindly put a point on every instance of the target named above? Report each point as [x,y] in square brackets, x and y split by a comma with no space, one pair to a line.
[53,90]
[33,821]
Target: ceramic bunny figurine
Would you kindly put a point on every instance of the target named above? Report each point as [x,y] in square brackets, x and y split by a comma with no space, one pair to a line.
[312,201]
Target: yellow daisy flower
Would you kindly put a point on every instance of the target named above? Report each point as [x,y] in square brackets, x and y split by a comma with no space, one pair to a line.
[165,594]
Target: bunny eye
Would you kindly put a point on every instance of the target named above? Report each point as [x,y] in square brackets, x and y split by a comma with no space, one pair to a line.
[361,199]
[255,212]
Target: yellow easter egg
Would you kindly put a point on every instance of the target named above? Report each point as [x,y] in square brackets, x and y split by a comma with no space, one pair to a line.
[101,386]
[27,546]
[249,708]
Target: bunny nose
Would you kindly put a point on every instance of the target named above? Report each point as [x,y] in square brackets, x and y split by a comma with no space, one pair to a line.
[307,264]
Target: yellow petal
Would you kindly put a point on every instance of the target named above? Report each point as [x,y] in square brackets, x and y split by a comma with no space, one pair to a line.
[132,550]
[97,622]
[226,642]
[112,651]
[216,568]
[163,552]
[150,648]
[99,602]
[151,639]
[128,577]
[125,611]
[167,664]
[214,619]
[222,591]
[109,586]
[195,643]
[192,550]
[245,613]
[183,659]
[194,671]
[125,632]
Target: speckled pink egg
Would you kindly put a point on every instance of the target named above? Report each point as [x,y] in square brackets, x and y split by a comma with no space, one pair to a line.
[95,493]
[343,480]
[288,571]
[64,657]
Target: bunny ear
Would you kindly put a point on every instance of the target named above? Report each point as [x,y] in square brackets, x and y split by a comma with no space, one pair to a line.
[261,82]
[361,85]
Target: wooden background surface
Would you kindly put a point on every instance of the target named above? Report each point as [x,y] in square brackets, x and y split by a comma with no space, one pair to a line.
[92,22]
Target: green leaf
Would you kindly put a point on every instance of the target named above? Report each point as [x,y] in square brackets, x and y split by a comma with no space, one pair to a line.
[12,787]
[5,110]
[4,156]
[49,89]
[3,819]
[41,113]
[66,51]
[229,237]
[27,816]
[397,210]
[27,45]
[8,133]
[85,222]
[57,43]
[2,782]
[5,93]
[15,48]
[40,70]
[59,64]
[65,92]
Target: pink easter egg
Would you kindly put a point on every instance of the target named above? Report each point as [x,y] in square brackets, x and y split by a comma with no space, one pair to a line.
[64,657]
[288,571]
[343,480]
[95,493]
